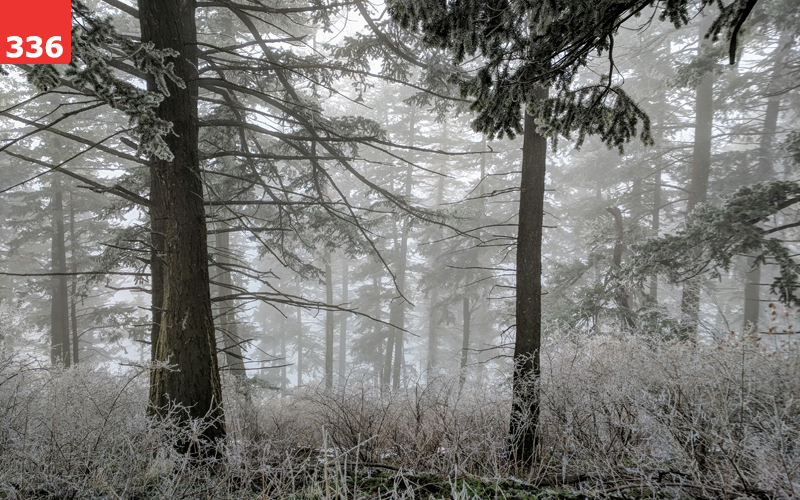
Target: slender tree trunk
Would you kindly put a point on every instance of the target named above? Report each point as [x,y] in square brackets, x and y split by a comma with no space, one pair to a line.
[466,317]
[282,327]
[59,300]
[525,405]
[656,227]
[328,323]
[231,342]
[386,374]
[698,185]
[399,305]
[434,319]
[343,323]
[73,254]
[186,339]
[299,345]
[433,333]
[391,338]
[378,358]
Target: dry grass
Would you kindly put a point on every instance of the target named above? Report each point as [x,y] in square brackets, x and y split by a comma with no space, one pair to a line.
[619,415]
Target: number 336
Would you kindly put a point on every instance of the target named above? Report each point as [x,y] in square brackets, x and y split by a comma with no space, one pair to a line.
[52,47]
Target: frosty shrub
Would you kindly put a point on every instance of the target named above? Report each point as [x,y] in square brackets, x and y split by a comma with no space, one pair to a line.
[721,418]
[619,414]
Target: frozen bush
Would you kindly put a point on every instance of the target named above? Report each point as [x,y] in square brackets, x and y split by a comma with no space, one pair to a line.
[617,413]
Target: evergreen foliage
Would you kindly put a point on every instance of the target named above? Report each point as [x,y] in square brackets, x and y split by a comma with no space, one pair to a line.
[527,45]
[716,235]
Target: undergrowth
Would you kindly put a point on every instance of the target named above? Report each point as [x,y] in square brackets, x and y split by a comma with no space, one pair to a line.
[622,417]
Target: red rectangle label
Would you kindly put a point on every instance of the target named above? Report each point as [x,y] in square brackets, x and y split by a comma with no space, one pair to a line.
[35,31]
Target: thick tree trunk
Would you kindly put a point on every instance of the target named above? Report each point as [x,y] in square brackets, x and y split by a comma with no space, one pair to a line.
[231,342]
[328,324]
[158,266]
[466,317]
[525,405]
[698,184]
[622,297]
[343,324]
[752,298]
[59,297]
[186,339]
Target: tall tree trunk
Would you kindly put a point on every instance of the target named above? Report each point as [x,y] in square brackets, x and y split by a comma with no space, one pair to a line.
[328,323]
[399,305]
[343,323]
[764,171]
[59,298]
[231,342]
[73,254]
[698,185]
[434,319]
[525,404]
[186,339]
[466,317]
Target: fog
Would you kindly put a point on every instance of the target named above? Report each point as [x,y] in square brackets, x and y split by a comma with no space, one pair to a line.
[359,187]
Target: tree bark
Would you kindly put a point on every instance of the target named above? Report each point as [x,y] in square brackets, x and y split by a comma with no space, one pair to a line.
[158,249]
[186,339]
[523,428]
[59,296]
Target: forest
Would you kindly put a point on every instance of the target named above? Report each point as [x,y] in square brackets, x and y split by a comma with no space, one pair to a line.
[403,249]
